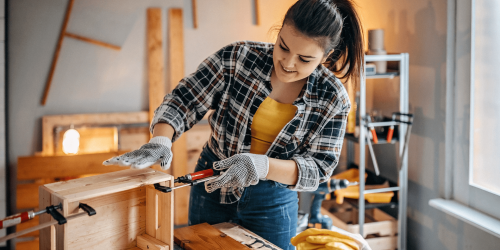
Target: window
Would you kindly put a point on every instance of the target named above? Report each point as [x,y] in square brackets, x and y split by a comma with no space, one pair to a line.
[485,101]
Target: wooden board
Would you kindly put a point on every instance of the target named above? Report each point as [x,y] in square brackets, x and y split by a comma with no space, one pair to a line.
[204,236]
[92,140]
[155,60]
[27,195]
[49,123]
[133,138]
[63,166]
[175,73]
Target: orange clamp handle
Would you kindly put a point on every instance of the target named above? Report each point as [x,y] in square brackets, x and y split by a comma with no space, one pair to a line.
[202,174]
[374,135]
[14,220]
[389,134]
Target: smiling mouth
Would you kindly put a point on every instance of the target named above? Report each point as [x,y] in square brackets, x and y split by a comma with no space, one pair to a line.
[287,71]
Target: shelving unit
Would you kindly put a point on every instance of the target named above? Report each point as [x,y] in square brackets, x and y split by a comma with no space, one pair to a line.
[361,142]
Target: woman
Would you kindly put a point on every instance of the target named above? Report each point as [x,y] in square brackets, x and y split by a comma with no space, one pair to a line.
[278,122]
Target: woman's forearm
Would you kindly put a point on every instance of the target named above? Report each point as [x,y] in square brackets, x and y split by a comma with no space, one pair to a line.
[163,129]
[283,171]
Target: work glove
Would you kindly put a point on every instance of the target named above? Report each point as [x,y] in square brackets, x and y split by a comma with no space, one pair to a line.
[158,150]
[242,170]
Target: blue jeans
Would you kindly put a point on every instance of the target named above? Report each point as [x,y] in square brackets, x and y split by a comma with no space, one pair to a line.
[266,209]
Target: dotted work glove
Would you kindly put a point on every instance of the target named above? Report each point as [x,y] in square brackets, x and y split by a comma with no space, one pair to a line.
[243,170]
[158,150]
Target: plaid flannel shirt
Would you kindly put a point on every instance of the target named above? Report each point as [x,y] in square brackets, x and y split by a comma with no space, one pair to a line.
[234,82]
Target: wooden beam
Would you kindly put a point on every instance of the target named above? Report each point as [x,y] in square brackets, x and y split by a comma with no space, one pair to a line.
[40,167]
[93,41]
[50,122]
[155,60]
[257,15]
[56,54]
[175,74]
[145,242]
[194,13]
[165,232]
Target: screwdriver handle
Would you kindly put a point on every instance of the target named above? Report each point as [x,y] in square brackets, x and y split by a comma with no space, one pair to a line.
[202,174]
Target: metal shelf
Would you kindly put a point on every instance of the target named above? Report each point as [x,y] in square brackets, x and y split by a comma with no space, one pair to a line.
[359,144]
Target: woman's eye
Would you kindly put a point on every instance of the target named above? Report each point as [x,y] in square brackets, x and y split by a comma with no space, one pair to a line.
[283,48]
[303,60]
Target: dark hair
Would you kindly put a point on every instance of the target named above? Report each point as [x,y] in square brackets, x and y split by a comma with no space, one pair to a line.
[335,25]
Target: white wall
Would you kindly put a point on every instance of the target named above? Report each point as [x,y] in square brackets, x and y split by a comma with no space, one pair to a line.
[419,28]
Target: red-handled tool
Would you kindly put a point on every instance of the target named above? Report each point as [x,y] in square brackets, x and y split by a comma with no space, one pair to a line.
[22,217]
[195,176]
[190,180]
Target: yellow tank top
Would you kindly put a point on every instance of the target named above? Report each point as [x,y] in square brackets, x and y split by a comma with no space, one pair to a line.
[268,121]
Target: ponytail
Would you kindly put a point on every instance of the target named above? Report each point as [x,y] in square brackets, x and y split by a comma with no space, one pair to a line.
[336,26]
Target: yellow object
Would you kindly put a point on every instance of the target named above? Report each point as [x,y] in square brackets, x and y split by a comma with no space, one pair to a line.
[353,193]
[304,245]
[352,175]
[324,239]
[315,231]
[337,246]
[267,123]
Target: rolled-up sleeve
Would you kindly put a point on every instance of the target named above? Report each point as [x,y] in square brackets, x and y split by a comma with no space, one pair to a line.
[193,96]
[317,164]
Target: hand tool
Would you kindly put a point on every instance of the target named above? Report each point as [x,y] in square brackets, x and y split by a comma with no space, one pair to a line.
[319,195]
[58,219]
[372,154]
[372,130]
[409,123]
[26,216]
[390,132]
[190,180]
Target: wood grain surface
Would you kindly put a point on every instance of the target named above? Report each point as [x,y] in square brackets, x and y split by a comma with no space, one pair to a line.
[205,237]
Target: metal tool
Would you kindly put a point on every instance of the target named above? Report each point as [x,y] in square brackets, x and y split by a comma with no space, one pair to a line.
[29,215]
[409,123]
[320,195]
[58,219]
[189,180]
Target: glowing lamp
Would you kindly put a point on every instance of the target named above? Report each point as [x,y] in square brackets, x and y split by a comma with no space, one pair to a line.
[71,141]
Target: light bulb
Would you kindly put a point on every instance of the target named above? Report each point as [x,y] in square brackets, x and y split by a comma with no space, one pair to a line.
[71,141]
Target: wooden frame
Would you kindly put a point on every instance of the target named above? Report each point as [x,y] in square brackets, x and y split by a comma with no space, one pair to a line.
[49,123]
[127,205]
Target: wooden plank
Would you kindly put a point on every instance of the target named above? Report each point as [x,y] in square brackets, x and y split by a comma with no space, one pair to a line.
[151,211]
[87,188]
[64,165]
[147,242]
[155,60]
[93,41]
[242,234]
[27,195]
[50,122]
[133,138]
[28,224]
[61,237]
[28,245]
[119,219]
[93,140]
[205,237]
[176,73]
[383,243]
[56,54]
[257,14]
[165,232]
[194,13]
[46,234]
[105,200]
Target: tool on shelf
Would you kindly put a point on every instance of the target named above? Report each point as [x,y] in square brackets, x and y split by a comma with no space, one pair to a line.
[319,195]
[372,129]
[409,123]
[390,132]
[52,210]
[189,180]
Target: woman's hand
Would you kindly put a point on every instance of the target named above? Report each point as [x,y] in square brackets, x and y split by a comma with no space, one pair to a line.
[158,150]
[243,170]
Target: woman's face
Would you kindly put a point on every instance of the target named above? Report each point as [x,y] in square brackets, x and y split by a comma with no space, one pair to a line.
[295,56]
